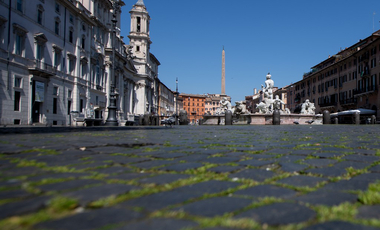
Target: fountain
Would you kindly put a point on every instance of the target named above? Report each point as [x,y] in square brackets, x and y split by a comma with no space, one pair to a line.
[269,111]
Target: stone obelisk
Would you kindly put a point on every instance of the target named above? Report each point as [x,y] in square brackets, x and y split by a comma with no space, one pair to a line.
[223,73]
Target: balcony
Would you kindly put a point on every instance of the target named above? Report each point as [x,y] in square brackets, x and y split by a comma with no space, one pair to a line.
[42,69]
[346,102]
[367,90]
[327,104]
[366,72]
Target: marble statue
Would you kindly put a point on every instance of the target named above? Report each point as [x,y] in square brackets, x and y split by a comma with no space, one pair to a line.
[308,107]
[269,104]
[262,107]
[225,105]
[277,103]
[268,88]
[240,108]
[287,111]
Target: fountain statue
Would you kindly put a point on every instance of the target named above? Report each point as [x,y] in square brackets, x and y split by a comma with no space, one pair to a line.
[268,89]
[268,105]
[308,107]
[240,108]
[225,105]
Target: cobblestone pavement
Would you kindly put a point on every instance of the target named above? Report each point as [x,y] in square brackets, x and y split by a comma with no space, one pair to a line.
[191,177]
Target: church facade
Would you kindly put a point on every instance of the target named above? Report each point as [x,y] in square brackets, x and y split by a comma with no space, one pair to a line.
[60,58]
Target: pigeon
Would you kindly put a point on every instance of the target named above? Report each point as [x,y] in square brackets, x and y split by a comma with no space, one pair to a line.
[296,123]
[309,122]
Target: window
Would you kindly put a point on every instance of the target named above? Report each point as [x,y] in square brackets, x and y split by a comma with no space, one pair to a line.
[83,42]
[17,101]
[19,5]
[39,52]
[39,16]
[71,65]
[68,107]
[55,105]
[57,59]
[18,82]
[57,8]
[137,48]
[40,41]
[373,63]
[71,35]
[138,24]
[19,44]
[83,68]
[71,19]
[56,25]
[69,93]
[81,105]
[55,91]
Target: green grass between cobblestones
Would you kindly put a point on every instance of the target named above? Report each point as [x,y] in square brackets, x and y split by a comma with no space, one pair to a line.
[60,207]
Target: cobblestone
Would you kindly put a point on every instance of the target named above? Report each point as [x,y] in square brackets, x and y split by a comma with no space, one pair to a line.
[190,177]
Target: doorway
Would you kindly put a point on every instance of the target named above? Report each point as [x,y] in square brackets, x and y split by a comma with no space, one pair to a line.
[38,92]
[36,112]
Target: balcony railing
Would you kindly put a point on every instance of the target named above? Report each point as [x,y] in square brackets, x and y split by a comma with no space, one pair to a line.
[328,104]
[348,101]
[38,67]
[366,90]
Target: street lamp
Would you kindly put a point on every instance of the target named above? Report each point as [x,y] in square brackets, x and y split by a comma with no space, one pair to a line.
[111,119]
[176,101]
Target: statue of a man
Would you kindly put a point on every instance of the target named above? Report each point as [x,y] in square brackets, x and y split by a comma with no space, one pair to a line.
[268,89]
[225,104]
[308,107]
[277,103]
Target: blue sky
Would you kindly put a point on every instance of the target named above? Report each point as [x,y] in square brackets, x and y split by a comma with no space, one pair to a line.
[285,38]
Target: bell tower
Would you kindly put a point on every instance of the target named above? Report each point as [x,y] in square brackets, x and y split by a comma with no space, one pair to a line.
[139,34]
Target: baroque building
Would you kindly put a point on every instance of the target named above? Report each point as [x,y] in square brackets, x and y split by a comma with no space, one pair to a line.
[59,56]
[344,81]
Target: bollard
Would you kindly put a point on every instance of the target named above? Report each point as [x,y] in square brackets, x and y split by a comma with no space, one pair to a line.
[276,117]
[146,119]
[228,118]
[141,120]
[155,120]
[183,117]
[373,119]
[336,120]
[357,118]
[326,117]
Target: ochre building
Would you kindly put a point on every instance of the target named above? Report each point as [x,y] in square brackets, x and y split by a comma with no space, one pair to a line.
[347,80]
[194,104]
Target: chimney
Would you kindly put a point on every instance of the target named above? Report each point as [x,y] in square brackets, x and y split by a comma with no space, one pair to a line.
[254,91]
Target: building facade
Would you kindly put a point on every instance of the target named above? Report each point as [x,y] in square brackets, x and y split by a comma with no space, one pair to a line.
[348,80]
[194,105]
[61,56]
[167,106]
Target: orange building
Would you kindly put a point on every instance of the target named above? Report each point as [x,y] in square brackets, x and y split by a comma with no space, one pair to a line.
[194,104]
